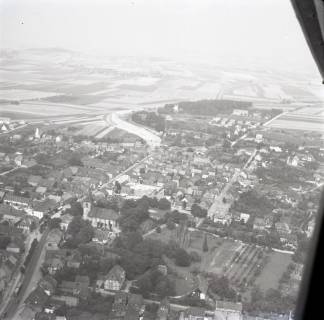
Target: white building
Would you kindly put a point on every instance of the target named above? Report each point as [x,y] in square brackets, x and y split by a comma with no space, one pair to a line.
[240,112]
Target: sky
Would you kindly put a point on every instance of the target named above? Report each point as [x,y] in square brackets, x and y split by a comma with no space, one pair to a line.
[250,30]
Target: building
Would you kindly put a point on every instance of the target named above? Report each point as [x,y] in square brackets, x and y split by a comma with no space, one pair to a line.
[119,307]
[114,280]
[37,299]
[48,284]
[163,311]
[195,313]
[228,310]
[16,201]
[101,217]
[135,307]
[240,112]
[259,224]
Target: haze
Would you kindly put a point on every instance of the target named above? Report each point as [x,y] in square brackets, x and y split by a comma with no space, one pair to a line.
[210,30]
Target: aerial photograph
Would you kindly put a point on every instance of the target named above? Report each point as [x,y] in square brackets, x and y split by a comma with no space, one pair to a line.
[159,160]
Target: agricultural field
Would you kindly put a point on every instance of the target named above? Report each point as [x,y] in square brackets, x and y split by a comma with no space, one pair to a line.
[304,118]
[91,128]
[19,95]
[45,110]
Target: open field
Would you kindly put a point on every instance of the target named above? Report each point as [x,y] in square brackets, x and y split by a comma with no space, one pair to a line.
[18,95]
[271,274]
[309,118]
[237,261]
[43,109]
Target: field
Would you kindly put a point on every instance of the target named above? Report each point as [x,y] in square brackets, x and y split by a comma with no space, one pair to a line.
[305,118]
[18,95]
[271,274]
[45,110]
[243,264]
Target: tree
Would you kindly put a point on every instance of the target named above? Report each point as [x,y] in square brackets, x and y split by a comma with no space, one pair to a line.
[182,258]
[4,241]
[80,231]
[221,287]
[54,223]
[165,287]
[197,211]
[76,209]
[205,245]
[32,226]
[117,187]
[170,224]
[164,204]
[75,160]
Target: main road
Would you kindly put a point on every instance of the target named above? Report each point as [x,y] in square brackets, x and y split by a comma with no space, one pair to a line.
[15,304]
[151,138]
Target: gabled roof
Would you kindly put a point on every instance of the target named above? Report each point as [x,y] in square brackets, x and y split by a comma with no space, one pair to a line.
[116,273]
[103,213]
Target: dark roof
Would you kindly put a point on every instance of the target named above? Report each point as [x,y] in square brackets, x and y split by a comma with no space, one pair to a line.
[37,297]
[14,198]
[116,273]
[103,213]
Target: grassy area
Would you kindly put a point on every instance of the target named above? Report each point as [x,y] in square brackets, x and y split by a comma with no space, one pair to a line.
[238,261]
[272,272]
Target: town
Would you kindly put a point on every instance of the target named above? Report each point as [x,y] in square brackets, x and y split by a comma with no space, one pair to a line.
[209,219]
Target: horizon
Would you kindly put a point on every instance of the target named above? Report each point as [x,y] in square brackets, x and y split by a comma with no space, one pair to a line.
[208,31]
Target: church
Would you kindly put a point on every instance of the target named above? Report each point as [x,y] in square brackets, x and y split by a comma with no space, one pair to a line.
[101,218]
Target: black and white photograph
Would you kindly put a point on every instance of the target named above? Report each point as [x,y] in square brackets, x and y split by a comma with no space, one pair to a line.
[161,159]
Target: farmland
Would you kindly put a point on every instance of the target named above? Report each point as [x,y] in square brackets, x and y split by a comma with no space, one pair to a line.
[305,119]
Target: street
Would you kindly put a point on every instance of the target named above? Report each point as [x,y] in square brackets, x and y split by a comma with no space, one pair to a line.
[28,280]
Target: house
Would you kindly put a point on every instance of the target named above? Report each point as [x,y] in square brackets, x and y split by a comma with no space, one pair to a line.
[48,284]
[39,209]
[228,310]
[163,311]
[259,224]
[69,301]
[2,194]
[74,260]
[65,221]
[16,201]
[14,247]
[54,261]
[135,307]
[54,238]
[114,280]
[34,180]
[101,217]
[73,288]
[240,112]
[194,313]
[282,228]
[103,236]
[37,299]
[11,214]
[119,307]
